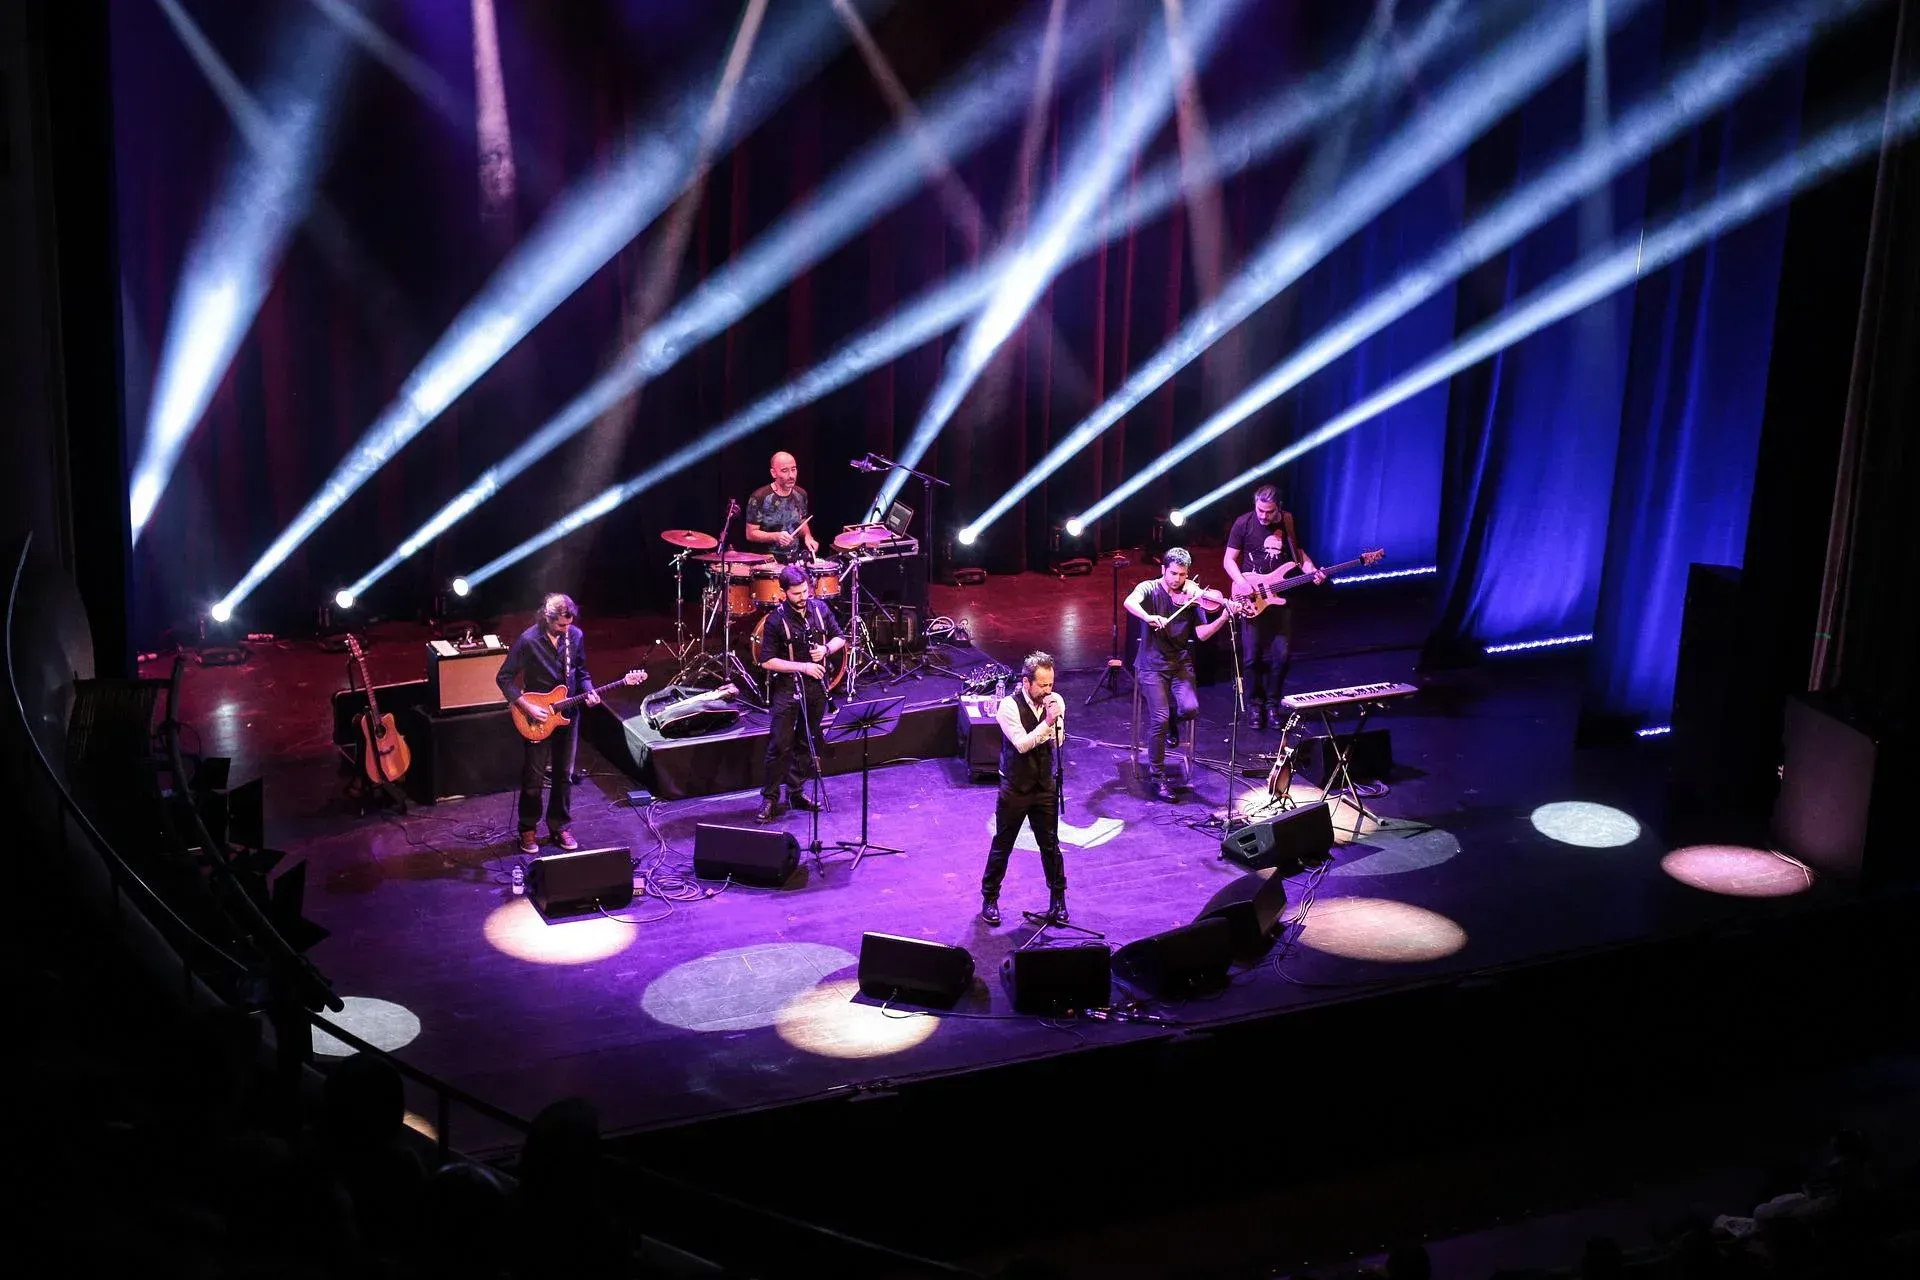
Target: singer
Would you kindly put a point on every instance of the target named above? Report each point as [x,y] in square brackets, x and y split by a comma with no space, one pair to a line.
[1033,728]
[800,639]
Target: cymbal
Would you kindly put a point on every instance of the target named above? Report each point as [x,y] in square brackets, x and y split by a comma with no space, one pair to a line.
[733,557]
[868,537]
[692,538]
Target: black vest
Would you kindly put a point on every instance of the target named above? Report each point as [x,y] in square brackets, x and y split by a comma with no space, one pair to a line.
[1024,773]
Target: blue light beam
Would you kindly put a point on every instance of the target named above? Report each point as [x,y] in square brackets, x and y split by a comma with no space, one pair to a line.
[1833,150]
[1712,82]
[985,97]
[1471,102]
[236,253]
[582,234]
[1101,157]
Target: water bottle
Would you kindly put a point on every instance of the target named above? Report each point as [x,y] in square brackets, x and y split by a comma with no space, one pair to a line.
[519,879]
[1000,685]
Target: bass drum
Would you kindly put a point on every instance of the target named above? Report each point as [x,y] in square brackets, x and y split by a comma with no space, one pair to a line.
[836,663]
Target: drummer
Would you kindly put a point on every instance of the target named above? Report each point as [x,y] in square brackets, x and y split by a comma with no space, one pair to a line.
[777,512]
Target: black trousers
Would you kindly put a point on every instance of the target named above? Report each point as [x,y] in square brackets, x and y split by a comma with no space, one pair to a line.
[1041,811]
[1266,646]
[787,757]
[1171,692]
[557,750]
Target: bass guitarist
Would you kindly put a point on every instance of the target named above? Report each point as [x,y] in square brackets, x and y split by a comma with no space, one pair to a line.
[1261,541]
[552,653]
[799,642]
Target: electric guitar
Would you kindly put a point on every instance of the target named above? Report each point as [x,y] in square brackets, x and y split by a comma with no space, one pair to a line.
[383,752]
[1280,780]
[1255,591]
[556,701]
[691,716]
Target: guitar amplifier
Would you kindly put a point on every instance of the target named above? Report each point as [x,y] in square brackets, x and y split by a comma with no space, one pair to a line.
[458,678]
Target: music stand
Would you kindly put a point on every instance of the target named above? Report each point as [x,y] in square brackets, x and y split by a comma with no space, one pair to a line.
[865,721]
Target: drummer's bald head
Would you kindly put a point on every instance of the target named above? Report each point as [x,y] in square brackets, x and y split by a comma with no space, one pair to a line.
[781,459]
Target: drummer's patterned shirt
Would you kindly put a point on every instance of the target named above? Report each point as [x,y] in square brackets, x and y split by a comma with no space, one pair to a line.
[778,514]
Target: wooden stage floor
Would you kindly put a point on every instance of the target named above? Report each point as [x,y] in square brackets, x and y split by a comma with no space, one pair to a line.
[701,1002]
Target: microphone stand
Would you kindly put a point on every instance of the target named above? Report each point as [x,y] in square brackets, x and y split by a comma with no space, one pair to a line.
[1045,920]
[1230,820]
[884,463]
[806,728]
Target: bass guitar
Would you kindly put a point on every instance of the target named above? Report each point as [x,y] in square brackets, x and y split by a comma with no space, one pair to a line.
[555,701]
[1255,591]
[383,752]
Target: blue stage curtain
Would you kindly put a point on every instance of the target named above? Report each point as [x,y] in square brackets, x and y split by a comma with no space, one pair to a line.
[1379,485]
[1532,433]
[1690,423]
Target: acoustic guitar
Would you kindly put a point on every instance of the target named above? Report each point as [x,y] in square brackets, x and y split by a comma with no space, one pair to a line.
[383,752]
[1280,780]
[1255,591]
[555,701]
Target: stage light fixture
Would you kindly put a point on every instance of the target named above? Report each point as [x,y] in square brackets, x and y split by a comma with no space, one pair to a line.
[966,537]
[1471,102]
[221,613]
[343,599]
[1176,518]
[461,587]
[1829,152]
[1289,116]
[585,229]
[1653,731]
[978,102]
[1544,642]
[1354,579]
[236,252]
[1074,528]
[1708,85]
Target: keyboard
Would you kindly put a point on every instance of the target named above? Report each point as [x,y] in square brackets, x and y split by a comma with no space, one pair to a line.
[1352,695]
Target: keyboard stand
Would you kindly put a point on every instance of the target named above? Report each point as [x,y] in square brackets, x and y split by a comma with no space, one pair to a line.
[1340,777]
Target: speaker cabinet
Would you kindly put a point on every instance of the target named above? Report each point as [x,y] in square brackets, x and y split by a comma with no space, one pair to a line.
[583,882]
[980,739]
[1055,979]
[467,753]
[1192,958]
[1253,907]
[747,855]
[1838,780]
[896,968]
[466,679]
[1369,755]
[1290,841]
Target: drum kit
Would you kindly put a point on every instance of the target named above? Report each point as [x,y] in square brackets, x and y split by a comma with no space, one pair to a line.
[743,587]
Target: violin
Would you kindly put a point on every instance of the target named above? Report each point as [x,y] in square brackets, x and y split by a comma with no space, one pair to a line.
[1208,597]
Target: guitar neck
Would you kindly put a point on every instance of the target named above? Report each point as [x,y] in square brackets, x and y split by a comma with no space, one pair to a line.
[591,693]
[366,681]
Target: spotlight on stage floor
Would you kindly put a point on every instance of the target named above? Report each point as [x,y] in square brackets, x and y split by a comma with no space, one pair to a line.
[1585,824]
[381,1023]
[1736,871]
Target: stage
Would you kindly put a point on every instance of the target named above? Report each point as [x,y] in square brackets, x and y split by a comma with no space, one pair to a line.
[705,999]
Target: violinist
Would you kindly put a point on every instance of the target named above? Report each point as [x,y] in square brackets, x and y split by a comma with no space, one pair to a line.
[1174,614]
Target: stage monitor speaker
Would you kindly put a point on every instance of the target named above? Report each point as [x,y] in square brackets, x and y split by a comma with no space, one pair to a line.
[1054,979]
[1369,755]
[1192,958]
[1253,907]
[748,855]
[584,882]
[980,738]
[896,968]
[464,678]
[1290,841]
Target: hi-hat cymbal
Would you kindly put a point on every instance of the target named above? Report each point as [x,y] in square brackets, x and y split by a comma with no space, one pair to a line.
[868,537]
[691,538]
[733,557]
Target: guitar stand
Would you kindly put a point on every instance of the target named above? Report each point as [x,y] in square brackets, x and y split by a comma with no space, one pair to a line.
[364,790]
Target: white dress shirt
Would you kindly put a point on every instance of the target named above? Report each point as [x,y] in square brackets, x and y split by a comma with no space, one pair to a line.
[1014,731]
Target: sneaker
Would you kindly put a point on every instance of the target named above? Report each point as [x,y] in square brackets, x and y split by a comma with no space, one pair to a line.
[566,840]
[529,842]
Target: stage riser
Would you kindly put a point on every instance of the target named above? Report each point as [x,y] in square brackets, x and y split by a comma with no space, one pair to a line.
[679,769]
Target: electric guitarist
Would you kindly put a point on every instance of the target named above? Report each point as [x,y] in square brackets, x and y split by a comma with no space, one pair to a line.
[552,653]
[1261,541]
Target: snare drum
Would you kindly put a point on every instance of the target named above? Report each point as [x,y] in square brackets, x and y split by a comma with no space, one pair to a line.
[767,591]
[826,578]
[740,584]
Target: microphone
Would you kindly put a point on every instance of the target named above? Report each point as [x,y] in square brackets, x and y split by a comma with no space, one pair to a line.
[863,464]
